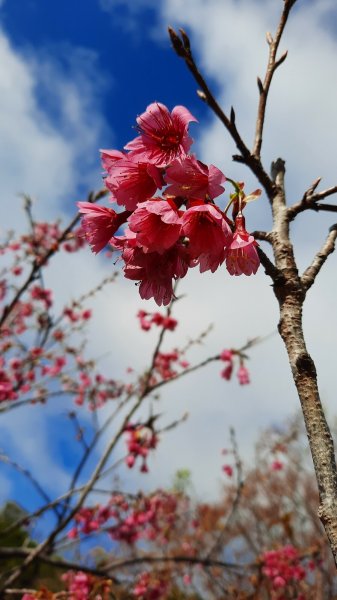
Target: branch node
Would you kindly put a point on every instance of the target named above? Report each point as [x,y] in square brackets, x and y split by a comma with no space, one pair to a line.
[281,59]
[232,115]
[260,85]
[202,95]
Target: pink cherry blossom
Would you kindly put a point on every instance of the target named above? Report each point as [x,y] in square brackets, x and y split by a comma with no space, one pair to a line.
[208,234]
[156,224]
[226,355]
[154,271]
[243,375]
[226,373]
[189,177]
[131,182]
[109,157]
[163,135]
[242,256]
[277,465]
[100,223]
[228,470]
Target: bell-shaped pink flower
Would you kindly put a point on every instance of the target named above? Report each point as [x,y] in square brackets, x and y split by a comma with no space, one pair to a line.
[190,178]
[100,224]
[131,182]
[208,234]
[242,256]
[163,135]
[155,272]
[157,225]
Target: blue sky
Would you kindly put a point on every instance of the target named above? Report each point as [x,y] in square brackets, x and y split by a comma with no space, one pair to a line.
[73,77]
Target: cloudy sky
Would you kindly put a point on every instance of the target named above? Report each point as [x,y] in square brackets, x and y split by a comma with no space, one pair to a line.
[72,81]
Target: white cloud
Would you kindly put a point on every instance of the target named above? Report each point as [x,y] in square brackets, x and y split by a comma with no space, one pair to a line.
[50,127]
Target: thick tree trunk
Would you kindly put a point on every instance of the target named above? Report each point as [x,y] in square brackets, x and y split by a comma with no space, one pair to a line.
[290,290]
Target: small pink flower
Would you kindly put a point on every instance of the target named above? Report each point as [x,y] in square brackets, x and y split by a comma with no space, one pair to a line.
[131,182]
[154,271]
[243,375]
[157,225]
[100,224]
[277,465]
[226,355]
[190,178]
[163,135]
[226,373]
[279,582]
[208,234]
[228,470]
[242,256]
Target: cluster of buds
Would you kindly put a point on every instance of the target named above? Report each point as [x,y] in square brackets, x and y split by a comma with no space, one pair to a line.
[242,373]
[166,235]
[141,439]
[149,587]
[82,586]
[146,320]
[284,569]
[149,518]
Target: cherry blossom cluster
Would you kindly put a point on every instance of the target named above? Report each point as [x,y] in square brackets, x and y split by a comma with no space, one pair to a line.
[148,518]
[34,343]
[43,238]
[283,567]
[82,586]
[140,440]
[149,586]
[146,320]
[184,227]
[228,356]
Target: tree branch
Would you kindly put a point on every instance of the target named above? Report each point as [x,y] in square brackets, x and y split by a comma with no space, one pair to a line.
[310,274]
[273,64]
[182,48]
[310,199]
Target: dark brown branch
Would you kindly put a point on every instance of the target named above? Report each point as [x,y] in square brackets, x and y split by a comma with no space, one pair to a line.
[310,200]
[310,274]
[182,48]
[7,552]
[269,267]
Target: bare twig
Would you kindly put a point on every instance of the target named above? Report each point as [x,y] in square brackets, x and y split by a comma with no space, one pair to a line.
[182,47]
[273,64]
[310,200]
[310,274]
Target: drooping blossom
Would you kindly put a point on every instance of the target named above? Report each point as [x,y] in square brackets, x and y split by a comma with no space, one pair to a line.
[190,178]
[243,375]
[157,225]
[100,224]
[130,181]
[242,256]
[155,272]
[163,135]
[208,234]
